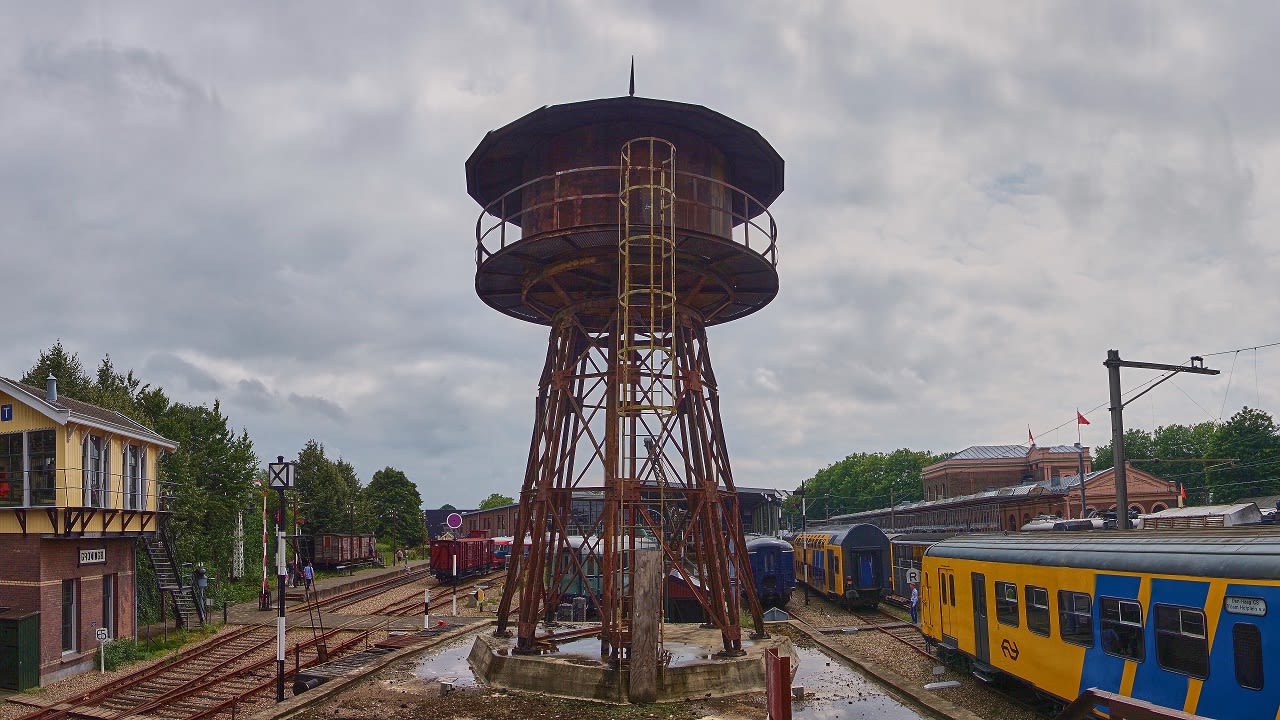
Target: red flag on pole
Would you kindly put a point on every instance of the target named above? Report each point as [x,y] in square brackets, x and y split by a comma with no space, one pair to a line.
[1030,438]
[1182,495]
[1081,419]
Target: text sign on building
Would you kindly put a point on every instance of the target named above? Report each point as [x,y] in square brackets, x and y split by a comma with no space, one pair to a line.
[6,412]
[1246,606]
[91,557]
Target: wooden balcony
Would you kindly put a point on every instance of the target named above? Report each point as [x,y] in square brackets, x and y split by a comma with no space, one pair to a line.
[67,502]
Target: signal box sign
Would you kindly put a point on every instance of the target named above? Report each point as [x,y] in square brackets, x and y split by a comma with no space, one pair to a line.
[93,557]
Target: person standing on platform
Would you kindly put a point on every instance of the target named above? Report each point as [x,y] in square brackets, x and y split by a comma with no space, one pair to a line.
[202,582]
[915,604]
[308,574]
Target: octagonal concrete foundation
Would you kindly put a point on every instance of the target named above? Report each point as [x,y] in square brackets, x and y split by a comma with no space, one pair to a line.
[576,670]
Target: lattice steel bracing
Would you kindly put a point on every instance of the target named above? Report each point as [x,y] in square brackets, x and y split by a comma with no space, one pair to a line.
[694,514]
[627,264]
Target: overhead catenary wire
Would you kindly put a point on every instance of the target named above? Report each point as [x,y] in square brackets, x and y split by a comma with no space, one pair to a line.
[1208,413]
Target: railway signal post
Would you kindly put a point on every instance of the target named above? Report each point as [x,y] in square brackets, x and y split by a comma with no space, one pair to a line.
[280,477]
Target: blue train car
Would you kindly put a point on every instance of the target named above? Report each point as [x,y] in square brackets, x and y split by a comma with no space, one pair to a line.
[848,564]
[1181,619]
[773,568]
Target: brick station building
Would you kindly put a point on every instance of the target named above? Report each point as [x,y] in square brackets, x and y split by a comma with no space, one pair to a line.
[77,490]
[1003,487]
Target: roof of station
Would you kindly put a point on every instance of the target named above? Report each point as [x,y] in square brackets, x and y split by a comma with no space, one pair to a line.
[496,165]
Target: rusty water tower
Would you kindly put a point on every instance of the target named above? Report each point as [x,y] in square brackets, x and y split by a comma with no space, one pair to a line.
[628,226]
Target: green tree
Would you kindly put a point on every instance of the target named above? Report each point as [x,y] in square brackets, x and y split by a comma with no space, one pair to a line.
[496,500]
[66,367]
[357,513]
[211,476]
[1139,448]
[322,495]
[865,481]
[1250,436]
[396,506]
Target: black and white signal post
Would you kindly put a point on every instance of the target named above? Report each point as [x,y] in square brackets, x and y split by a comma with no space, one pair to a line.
[280,477]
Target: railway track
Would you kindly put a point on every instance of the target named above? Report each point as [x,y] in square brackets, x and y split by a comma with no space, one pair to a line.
[900,630]
[234,672]
[441,597]
[222,674]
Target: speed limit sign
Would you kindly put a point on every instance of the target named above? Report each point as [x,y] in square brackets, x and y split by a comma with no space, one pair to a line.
[102,635]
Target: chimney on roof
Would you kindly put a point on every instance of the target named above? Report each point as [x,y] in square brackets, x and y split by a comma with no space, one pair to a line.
[51,388]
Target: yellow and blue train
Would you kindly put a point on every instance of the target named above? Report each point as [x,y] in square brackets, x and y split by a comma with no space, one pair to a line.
[849,564]
[1182,619]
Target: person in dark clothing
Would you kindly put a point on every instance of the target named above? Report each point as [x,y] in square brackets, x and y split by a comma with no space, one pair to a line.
[201,582]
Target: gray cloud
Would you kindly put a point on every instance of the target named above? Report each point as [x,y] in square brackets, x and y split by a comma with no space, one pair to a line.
[266,206]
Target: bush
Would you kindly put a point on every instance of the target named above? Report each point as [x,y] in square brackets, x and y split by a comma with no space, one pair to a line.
[120,652]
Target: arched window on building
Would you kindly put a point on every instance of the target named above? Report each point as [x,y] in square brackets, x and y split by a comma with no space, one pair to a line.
[1026,518]
[1158,507]
[1013,522]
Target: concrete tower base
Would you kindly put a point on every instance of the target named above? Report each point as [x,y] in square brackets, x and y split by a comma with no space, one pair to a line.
[577,671]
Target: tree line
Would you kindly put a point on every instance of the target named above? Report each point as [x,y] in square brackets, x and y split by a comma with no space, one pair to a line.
[1217,462]
[862,481]
[215,477]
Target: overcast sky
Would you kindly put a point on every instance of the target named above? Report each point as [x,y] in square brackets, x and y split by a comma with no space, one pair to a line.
[265,204]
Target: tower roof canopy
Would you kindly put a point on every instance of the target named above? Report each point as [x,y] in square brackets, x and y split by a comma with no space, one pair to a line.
[497,163]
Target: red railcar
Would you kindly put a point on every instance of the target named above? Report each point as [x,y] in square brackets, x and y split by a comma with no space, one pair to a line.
[330,550]
[474,557]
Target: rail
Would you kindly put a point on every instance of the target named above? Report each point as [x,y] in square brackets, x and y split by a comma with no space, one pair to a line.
[561,194]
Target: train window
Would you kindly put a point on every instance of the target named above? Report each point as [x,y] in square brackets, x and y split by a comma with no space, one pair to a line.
[1038,610]
[1120,627]
[1248,646]
[1007,603]
[951,580]
[1181,644]
[1075,617]
[943,583]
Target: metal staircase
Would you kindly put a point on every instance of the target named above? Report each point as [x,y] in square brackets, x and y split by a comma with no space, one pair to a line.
[187,613]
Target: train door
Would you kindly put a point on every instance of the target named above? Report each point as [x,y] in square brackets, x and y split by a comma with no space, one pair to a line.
[866,570]
[946,603]
[982,648]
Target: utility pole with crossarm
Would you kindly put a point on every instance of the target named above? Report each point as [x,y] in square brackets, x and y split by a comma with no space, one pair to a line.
[1113,364]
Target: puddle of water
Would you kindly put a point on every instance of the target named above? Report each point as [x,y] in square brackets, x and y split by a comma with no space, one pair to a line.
[451,662]
[834,691]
